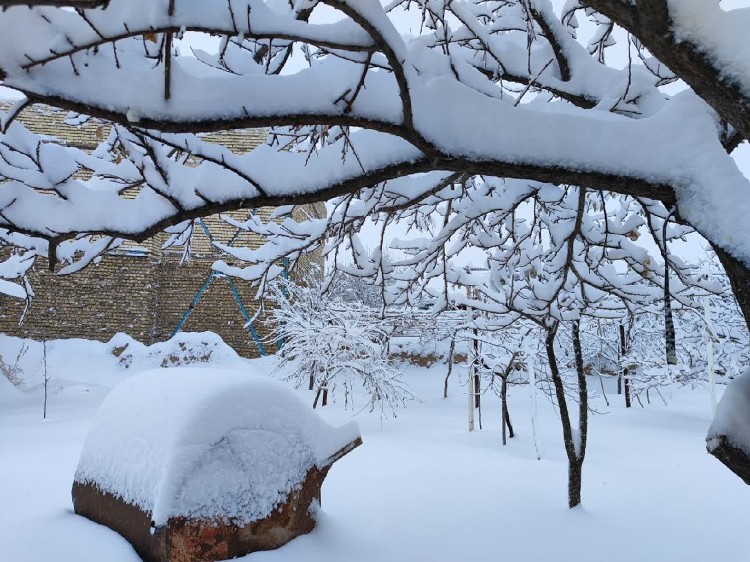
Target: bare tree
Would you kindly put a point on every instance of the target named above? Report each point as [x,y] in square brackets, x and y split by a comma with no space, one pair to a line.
[13,370]
[330,345]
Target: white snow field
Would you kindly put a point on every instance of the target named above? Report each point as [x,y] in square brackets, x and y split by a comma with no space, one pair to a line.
[420,488]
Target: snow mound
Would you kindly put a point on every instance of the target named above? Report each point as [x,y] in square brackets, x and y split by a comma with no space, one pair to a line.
[732,418]
[206,444]
[185,348]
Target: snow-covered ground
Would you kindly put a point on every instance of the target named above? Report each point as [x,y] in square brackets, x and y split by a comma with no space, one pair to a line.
[421,488]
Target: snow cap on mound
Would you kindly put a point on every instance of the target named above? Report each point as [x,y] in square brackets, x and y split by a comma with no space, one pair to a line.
[206,444]
[732,418]
[184,348]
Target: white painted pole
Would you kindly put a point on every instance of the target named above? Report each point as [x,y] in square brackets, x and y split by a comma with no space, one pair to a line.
[472,365]
[709,333]
[532,383]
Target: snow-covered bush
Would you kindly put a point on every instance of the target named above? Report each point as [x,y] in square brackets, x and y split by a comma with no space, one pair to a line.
[330,345]
[185,348]
[12,369]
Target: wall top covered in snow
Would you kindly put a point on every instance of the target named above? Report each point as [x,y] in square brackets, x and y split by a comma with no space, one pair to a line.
[206,444]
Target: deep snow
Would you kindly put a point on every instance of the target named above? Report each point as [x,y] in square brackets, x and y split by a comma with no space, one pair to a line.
[206,443]
[422,487]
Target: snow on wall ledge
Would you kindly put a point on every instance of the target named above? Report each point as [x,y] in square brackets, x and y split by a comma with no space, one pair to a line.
[205,444]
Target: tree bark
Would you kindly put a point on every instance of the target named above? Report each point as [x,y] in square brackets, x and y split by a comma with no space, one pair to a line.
[649,21]
[626,377]
[575,482]
[504,402]
[734,459]
[575,454]
[450,366]
[739,278]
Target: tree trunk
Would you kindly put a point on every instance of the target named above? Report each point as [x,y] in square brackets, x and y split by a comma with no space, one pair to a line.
[511,433]
[739,277]
[317,397]
[623,353]
[574,483]
[574,453]
[583,394]
[628,402]
[450,366]
[670,343]
[504,401]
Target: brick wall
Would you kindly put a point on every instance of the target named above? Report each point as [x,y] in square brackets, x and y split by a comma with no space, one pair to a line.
[143,295]
[118,294]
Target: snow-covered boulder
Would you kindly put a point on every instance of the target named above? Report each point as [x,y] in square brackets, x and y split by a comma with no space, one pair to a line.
[206,464]
[728,437]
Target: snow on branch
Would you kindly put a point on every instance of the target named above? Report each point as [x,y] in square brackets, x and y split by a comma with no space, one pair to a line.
[506,90]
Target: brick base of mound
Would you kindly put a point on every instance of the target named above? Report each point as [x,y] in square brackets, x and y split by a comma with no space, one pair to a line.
[191,540]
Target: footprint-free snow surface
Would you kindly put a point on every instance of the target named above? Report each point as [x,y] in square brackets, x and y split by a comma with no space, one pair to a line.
[421,488]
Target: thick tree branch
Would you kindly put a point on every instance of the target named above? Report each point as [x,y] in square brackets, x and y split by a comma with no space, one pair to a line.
[649,21]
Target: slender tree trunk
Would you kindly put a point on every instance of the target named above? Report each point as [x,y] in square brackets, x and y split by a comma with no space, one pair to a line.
[312,376]
[317,397]
[604,394]
[623,371]
[670,344]
[450,366]
[511,433]
[626,376]
[575,446]
[506,411]
[583,418]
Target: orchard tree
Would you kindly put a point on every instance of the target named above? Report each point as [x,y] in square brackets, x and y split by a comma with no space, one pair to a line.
[406,104]
[331,345]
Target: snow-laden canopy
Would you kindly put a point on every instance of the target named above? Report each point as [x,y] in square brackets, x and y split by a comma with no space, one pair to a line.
[451,95]
[206,444]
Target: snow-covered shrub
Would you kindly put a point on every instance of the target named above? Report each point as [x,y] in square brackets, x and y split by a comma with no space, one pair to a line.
[185,348]
[330,345]
[12,369]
